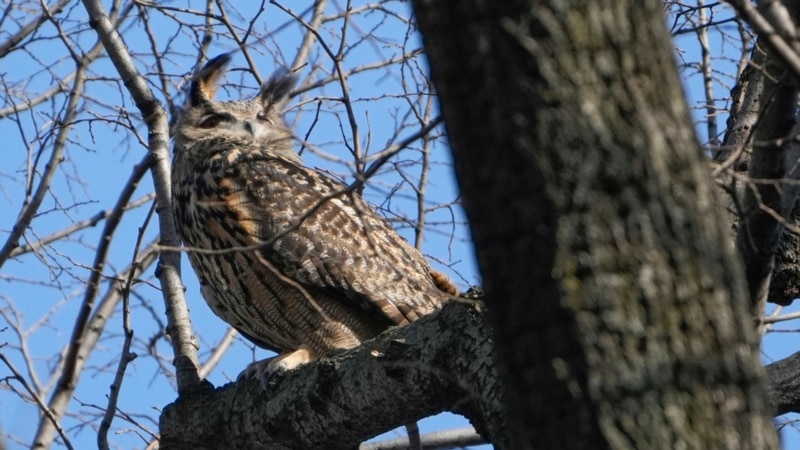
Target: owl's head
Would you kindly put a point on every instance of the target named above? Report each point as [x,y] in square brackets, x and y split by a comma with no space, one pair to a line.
[206,124]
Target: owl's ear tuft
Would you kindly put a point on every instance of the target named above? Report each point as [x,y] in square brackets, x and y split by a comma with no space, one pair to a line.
[275,91]
[204,83]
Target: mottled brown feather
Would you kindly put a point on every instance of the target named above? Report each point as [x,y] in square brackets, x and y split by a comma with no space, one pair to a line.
[299,261]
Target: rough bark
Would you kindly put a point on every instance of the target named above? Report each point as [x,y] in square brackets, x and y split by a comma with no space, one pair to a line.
[639,333]
[784,380]
[762,111]
[767,202]
[784,287]
[247,414]
[442,362]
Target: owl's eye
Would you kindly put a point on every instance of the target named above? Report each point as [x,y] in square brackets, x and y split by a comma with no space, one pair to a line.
[212,120]
[264,117]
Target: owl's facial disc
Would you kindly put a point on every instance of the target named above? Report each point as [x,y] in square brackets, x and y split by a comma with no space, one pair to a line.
[253,128]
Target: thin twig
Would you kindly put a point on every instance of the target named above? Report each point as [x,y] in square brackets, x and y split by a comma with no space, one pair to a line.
[29,28]
[219,351]
[69,373]
[768,31]
[706,70]
[342,77]
[419,229]
[782,318]
[30,208]
[127,356]
[42,406]
[88,223]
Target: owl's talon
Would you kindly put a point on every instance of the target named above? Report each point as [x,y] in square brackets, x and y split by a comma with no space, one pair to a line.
[263,370]
[259,370]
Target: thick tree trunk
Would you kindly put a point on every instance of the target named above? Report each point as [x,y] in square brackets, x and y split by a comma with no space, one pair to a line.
[620,314]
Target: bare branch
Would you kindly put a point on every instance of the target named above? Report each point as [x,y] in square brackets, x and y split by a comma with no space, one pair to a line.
[70,372]
[30,208]
[342,77]
[48,413]
[773,28]
[706,70]
[126,356]
[437,440]
[308,38]
[219,350]
[90,222]
[31,27]
[179,325]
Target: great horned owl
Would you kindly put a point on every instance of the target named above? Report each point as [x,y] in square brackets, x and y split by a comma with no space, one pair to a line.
[295,261]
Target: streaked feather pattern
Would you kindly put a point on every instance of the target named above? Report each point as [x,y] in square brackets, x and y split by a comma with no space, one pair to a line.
[288,256]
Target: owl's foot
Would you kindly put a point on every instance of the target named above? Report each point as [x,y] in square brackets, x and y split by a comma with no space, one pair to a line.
[443,283]
[264,369]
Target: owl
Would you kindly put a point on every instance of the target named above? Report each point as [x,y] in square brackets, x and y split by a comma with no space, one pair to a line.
[298,263]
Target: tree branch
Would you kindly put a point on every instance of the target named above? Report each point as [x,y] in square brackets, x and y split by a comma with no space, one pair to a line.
[784,381]
[179,326]
[441,362]
[10,44]
[72,363]
[64,125]
[431,441]
[775,26]
[773,157]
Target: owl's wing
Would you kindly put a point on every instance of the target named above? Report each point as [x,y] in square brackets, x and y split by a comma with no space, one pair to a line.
[317,233]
